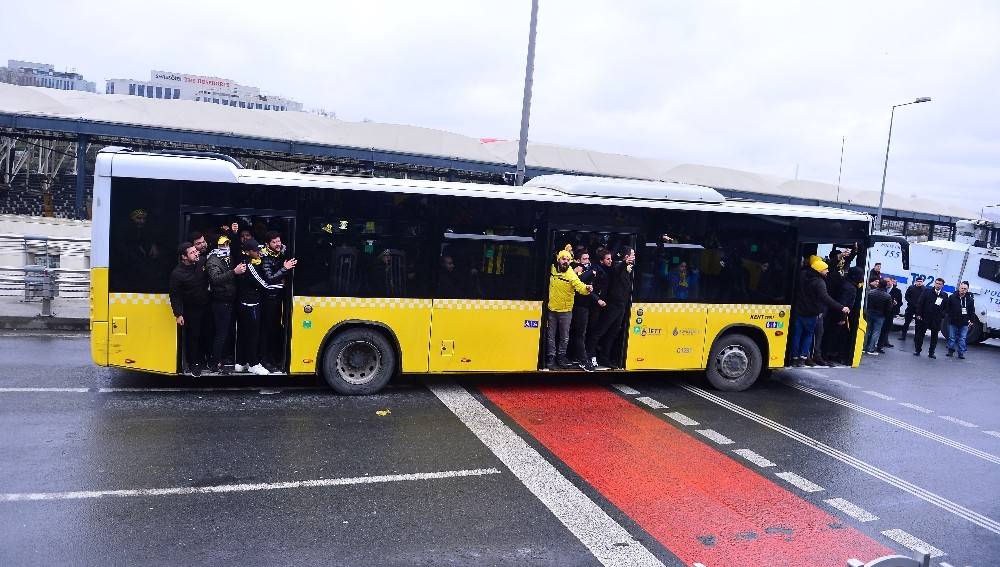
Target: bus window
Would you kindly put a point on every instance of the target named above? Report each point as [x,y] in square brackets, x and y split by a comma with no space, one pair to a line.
[143,235]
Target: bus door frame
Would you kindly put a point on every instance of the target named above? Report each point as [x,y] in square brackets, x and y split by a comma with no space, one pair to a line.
[287,238]
[634,236]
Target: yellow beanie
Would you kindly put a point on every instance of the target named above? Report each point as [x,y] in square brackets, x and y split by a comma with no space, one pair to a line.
[564,254]
[818,265]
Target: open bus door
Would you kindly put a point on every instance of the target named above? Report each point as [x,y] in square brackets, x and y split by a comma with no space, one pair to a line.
[591,239]
[274,342]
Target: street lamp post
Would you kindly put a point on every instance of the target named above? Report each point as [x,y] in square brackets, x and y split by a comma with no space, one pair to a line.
[885,166]
[529,73]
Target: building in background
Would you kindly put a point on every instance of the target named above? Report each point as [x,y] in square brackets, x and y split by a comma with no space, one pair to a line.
[180,86]
[29,74]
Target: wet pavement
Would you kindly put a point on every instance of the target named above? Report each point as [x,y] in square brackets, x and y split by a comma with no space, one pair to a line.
[811,467]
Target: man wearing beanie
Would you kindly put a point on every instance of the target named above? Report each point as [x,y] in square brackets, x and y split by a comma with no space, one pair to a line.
[564,284]
[222,274]
[812,300]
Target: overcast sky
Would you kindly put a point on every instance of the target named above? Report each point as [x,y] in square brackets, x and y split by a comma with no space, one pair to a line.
[769,87]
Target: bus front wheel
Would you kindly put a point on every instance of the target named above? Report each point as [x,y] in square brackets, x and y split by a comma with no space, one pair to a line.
[734,363]
[358,362]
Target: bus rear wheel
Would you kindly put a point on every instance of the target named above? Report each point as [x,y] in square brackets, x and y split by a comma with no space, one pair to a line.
[358,362]
[734,363]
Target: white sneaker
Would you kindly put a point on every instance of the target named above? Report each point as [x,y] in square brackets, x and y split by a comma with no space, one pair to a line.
[258,369]
[241,368]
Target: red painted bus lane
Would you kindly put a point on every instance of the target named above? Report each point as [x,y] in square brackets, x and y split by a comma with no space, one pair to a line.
[696,501]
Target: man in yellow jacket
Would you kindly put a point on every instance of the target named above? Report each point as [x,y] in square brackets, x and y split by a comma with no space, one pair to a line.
[563,287]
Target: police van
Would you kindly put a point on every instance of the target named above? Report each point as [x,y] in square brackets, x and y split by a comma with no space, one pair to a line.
[968,258]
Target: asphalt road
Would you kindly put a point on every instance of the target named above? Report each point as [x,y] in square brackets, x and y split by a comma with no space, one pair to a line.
[811,467]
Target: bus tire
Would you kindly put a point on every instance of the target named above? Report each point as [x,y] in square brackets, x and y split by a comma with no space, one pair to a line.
[358,362]
[734,363]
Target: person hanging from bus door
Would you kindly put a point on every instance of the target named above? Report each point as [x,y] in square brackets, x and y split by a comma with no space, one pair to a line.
[250,288]
[815,357]
[602,343]
[274,267]
[222,275]
[812,298]
[601,283]
[582,304]
[897,304]
[200,240]
[564,284]
[913,294]
[929,314]
[837,335]
[961,311]
[189,302]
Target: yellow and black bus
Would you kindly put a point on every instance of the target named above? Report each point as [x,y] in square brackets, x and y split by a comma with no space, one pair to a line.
[422,276]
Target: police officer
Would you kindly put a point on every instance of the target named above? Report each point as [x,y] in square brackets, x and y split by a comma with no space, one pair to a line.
[929,314]
[913,294]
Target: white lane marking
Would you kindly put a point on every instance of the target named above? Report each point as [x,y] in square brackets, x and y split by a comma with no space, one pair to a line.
[852,510]
[220,488]
[15,390]
[799,482]
[651,402]
[961,422]
[812,372]
[681,418]
[606,539]
[754,458]
[993,433]
[698,565]
[921,409]
[879,395]
[843,383]
[943,564]
[715,436]
[901,424]
[627,390]
[913,543]
[925,495]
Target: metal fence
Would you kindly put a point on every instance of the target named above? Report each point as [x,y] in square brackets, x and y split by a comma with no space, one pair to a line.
[34,268]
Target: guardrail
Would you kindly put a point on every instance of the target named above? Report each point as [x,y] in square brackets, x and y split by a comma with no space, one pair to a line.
[41,277]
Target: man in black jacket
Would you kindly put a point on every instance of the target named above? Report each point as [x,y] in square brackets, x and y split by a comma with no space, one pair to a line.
[582,304]
[913,294]
[877,307]
[189,302]
[251,286]
[619,295]
[222,275]
[275,265]
[812,299]
[929,314]
[960,309]
[897,303]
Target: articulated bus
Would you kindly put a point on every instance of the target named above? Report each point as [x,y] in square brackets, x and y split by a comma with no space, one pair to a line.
[406,276]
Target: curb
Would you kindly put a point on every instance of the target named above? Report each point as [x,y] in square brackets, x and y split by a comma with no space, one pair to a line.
[16,323]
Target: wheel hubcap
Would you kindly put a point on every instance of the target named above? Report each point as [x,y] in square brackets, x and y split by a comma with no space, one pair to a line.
[359,362]
[732,362]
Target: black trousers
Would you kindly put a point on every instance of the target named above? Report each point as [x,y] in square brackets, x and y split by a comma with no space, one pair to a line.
[607,331]
[883,339]
[918,339]
[907,319]
[248,334]
[194,324]
[578,333]
[222,316]
[272,340]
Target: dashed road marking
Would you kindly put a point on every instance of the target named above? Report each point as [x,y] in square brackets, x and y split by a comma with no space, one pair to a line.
[651,402]
[921,409]
[222,488]
[913,543]
[754,458]
[715,436]
[993,433]
[812,372]
[961,422]
[852,510]
[879,395]
[966,514]
[606,539]
[901,424]
[627,390]
[846,384]
[799,482]
[681,418]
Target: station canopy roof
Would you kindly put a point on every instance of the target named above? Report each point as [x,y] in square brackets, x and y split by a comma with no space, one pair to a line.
[317,129]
